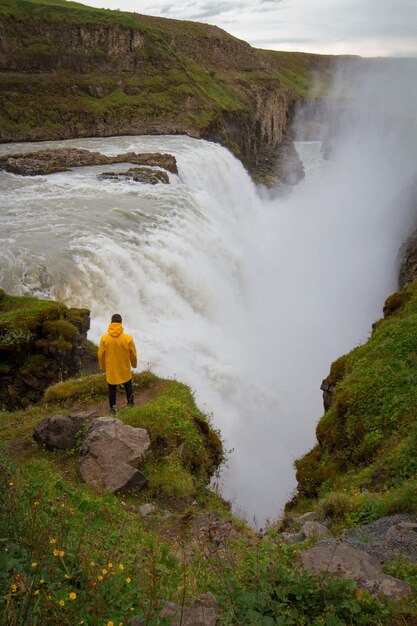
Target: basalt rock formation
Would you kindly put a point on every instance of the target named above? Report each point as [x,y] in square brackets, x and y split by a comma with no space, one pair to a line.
[74,71]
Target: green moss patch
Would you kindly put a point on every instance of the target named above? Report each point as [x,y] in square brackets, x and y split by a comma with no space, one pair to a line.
[40,342]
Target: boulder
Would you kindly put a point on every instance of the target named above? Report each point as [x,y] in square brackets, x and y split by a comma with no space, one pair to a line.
[315,529]
[345,561]
[111,454]
[203,612]
[59,431]
[124,478]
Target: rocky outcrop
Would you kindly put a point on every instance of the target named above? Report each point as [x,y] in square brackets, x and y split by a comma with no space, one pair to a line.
[111,454]
[60,431]
[344,561]
[146,175]
[41,342]
[49,161]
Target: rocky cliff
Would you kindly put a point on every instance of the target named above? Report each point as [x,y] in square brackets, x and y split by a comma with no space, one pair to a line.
[41,342]
[68,70]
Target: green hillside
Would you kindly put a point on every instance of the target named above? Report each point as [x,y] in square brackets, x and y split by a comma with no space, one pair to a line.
[365,464]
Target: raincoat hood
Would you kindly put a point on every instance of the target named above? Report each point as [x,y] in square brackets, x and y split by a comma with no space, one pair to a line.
[115,329]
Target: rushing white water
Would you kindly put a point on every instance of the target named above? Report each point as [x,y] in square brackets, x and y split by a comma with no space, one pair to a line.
[246,298]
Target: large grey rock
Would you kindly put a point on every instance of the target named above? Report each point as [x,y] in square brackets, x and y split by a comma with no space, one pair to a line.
[345,561]
[315,529]
[203,612]
[59,431]
[124,478]
[111,454]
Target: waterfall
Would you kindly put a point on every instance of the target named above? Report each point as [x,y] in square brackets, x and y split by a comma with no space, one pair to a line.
[246,297]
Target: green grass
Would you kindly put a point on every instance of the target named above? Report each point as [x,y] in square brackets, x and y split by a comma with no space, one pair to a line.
[71,556]
[365,464]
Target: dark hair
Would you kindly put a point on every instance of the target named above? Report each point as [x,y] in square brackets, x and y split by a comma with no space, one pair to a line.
[116,318]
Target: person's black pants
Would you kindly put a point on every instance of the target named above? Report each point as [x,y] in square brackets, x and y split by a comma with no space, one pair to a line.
[129,393]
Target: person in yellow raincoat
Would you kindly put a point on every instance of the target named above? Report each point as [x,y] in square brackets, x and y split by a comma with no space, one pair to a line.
[116,356]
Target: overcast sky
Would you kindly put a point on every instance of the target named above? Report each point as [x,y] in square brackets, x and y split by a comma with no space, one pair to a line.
[365,27]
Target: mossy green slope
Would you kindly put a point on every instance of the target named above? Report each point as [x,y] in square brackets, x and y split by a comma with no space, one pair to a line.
[365,463]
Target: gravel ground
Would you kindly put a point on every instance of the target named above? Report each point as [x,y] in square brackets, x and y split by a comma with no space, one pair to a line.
[372,538]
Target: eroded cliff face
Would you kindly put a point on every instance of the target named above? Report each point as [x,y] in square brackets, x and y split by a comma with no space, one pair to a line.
[72,75]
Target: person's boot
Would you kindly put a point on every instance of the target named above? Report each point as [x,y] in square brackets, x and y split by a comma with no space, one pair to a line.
[131,401]
[113,410]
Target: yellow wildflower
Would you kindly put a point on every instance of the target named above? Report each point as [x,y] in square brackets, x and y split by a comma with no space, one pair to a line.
[36,503]
[121,567]
[72,595]
[36,593]
[61,603]
[42,581]
[52,540]
[67,576]
[34,564]
[55,552]
[61,553]
[13,588]
[100,577]
[48,597]
[109,565]
[104,571]
[110,623]
[11,484]
[128,580]
[92,563]
[62,505]
[132,608]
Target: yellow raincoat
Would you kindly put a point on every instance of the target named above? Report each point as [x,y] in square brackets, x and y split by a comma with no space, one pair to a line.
[116,353]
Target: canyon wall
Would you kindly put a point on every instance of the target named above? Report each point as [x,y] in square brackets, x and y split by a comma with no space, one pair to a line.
[75,72]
